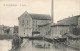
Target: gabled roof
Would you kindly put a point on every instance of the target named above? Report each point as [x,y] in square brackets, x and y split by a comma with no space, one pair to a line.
[37,16]
[40,16]
[24,14]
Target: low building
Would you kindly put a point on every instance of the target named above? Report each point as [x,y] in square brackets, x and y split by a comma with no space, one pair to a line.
[11,30]
[4,30]
[58,30]
[1,30]
[16,30]
[74,23]
[45,30]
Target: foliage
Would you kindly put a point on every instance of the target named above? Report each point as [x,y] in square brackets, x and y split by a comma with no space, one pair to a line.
[7,30]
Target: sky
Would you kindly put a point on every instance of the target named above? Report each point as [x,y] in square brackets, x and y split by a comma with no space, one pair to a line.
[10,10]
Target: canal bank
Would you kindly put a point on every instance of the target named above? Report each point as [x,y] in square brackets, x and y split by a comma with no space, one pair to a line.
[18,43]
[31,45]
[67,42]
[73,42]
[12,42]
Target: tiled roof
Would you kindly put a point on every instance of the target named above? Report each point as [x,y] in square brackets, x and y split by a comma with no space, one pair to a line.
[40,16]
[73,36]
[37,16]
[59,25]
[69,21]
[44,25]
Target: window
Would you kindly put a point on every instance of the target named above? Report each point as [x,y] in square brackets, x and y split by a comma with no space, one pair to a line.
[36,29]
[22,24]
[27,22]
[24,33]
[26,15]
[22,21]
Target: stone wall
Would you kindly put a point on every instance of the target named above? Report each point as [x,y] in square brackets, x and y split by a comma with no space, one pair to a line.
[45,31]
[79,22]
[57,31]
[74,43]
[25,25]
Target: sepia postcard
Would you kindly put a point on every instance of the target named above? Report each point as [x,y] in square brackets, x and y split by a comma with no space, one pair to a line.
[39,25]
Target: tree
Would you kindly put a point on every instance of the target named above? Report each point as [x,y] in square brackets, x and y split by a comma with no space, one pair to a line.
[7,30]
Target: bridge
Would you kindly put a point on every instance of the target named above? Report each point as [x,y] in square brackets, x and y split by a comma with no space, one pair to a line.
[47,39]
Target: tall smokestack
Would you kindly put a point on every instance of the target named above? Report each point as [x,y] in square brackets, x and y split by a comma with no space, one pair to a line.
[52,11]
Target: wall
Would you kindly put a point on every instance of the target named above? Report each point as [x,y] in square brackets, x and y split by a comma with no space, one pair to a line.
[39,22]
[74,43]
[54,32]
[58,31]
[25,26]
[1,30]
[11,31]
[79,22]
[45,31]
[62,29]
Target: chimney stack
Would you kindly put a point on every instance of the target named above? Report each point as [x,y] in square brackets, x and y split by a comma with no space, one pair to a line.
[52,11]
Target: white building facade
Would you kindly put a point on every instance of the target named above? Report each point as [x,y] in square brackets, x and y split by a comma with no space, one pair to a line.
[25,25]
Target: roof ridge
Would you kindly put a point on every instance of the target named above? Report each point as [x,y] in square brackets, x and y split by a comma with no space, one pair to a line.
[37,16]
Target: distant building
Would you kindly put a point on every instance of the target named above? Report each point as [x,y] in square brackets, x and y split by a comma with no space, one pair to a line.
[28,23]
[4,30]
[11,30]
[1,30]
[16,31]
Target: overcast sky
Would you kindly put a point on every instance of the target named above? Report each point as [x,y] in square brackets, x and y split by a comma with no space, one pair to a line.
[62,9]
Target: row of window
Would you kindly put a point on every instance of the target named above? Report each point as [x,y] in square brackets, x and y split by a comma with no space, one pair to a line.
[24,21]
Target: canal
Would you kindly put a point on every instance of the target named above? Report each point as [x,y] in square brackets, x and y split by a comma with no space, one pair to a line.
[40,45]
[5,44]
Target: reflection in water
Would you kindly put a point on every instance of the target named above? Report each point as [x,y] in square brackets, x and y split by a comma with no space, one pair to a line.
[5,45]
[36,45]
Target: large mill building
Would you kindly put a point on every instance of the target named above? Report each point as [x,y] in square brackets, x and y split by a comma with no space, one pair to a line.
[28,23]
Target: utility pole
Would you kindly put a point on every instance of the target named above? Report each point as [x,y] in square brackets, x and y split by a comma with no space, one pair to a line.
[52,11]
